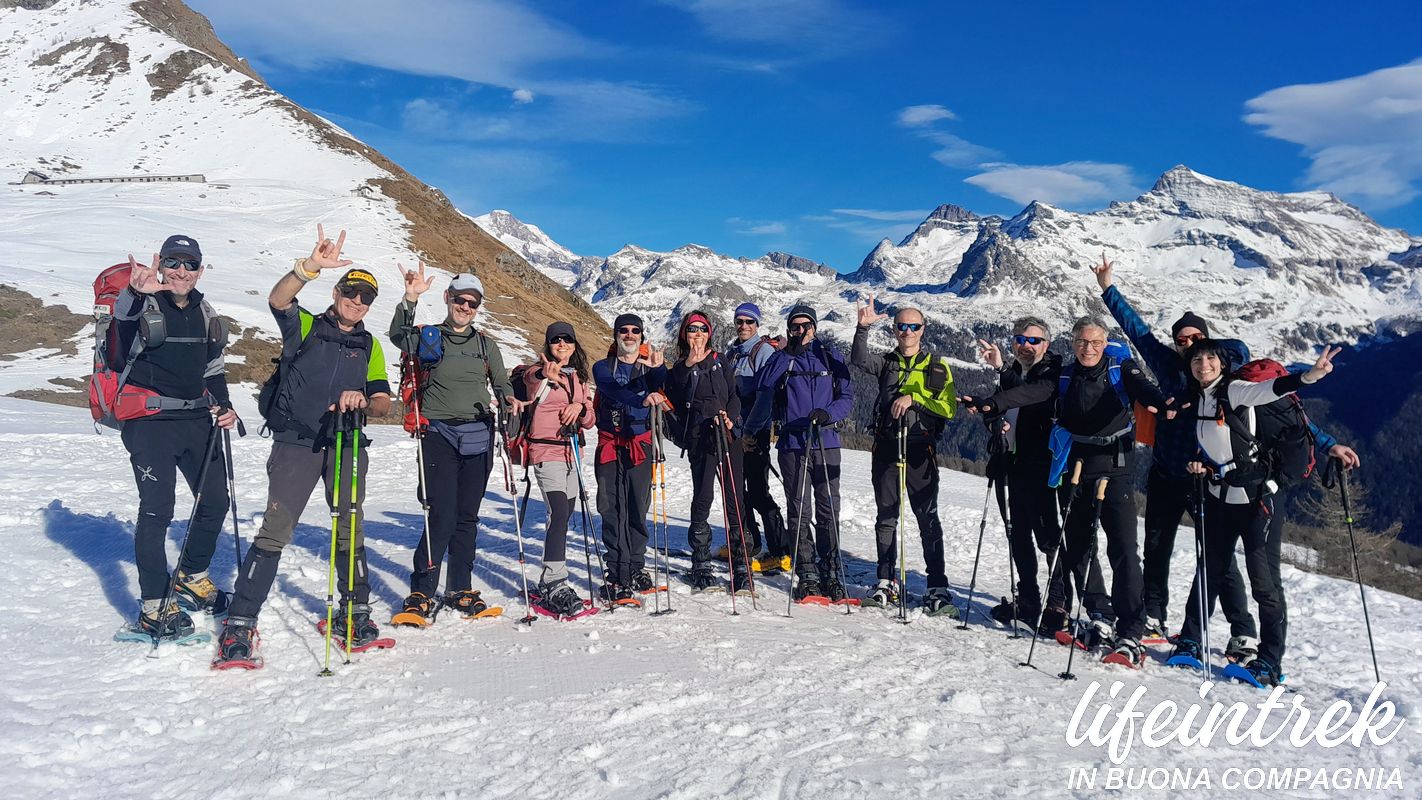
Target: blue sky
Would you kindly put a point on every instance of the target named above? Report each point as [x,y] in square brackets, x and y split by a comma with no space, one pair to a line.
[820,126]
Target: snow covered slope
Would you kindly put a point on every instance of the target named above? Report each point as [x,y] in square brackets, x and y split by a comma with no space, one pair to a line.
[104,89]
[696,704]
[1282,271]
[547,256]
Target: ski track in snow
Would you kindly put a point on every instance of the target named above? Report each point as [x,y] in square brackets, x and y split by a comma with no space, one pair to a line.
[691,705]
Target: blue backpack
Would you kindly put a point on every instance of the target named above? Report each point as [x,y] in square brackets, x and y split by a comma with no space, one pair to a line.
[1060,441]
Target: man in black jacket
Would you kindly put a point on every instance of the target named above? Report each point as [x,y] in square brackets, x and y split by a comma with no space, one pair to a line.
[1094,398]
[1032,504]
[185,384]
[334,366]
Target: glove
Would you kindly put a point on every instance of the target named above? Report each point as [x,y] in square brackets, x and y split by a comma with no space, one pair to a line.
[749,444]
[997,466]
[819,417]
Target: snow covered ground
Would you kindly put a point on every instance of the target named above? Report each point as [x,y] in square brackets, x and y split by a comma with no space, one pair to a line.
[692,705]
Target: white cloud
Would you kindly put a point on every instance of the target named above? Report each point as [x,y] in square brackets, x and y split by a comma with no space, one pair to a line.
[484,42]
[955,151]
[1364,133]
[915,116]
[870,225]
[1071,184]
[825,27]
[750,228]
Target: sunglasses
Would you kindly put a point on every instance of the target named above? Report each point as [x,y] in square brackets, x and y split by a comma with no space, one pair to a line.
[742,322]
[1089,344]
[562,339]
[189,264]
[366,296]
[905,327]
[1189,339]
[629,329]
[1020,339]
[800,327]
[465,302]
[697,328]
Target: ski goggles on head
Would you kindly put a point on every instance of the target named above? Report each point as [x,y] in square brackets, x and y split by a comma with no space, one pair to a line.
[365,296]
[907,327]
[1020,339]
[174,262]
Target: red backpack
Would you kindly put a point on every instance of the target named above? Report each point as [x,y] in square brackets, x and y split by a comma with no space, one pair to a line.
[112,401]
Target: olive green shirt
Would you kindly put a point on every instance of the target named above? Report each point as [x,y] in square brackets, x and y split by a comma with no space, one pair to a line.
[459,384]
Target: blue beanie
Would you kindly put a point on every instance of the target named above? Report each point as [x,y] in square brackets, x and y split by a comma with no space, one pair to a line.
[748,310]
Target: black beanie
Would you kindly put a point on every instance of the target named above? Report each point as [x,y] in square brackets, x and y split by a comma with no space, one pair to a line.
[803,311]
[559,329]
[1189,320]
[627,319]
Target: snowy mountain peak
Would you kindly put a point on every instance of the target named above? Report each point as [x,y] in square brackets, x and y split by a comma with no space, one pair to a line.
[951,213]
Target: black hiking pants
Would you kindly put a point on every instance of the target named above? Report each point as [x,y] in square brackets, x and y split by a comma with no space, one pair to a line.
[1033,509]
[812,509]
[159,449]
[708,470]
[1225,525]
[624,494]
[921,480]
[1118,521]
[454,486]
[1167,500]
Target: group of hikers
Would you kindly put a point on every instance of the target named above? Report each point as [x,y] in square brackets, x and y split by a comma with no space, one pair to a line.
[1063,433]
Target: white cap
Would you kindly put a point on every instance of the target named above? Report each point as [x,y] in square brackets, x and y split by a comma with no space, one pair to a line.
[464,282]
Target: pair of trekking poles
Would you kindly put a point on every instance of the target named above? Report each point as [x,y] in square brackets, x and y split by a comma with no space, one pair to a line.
[347,428]
[207,458]
[806,496]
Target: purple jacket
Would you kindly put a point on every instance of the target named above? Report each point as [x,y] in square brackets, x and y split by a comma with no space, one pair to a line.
[791,386]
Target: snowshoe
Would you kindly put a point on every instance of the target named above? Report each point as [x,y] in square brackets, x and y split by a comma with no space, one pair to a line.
[743,586]
[1155,632]
[613,594]
[884,595]
[173,625]
[702,579]
[1054,621]
[773,565]
[642,583]
[1011,615]
[1127,653]
[237,649]
[1258,673]
[561,602]
[365,634]
[1242,649]
[1089,635]
[471,605]
[419,612]
[939,603]
[201,594]
[1187,655]
[807,592]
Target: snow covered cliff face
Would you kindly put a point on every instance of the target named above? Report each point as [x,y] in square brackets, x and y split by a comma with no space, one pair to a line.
[1282,271]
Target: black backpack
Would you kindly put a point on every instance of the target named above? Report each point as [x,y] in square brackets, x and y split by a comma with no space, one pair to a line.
[1281,448]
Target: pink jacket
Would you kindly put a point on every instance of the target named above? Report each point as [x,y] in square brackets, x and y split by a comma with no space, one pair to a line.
[545,423]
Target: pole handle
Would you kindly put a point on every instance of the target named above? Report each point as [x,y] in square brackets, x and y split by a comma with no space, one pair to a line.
[1100,486]
[1076,473]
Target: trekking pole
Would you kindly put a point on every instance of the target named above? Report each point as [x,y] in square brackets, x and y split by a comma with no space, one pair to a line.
[1055,560]
[1086,576]
[726,517]
[587,521]
[902,532]
[659,507]
[356,423]
[520,510]
[834,515]
[736,482]
[973,582]
[183,548]
[232,493]
[1202,577]
[335,523]
[804,504]
[1002,510]
[419,434]
[1353,545]
[730,507]
[654,422]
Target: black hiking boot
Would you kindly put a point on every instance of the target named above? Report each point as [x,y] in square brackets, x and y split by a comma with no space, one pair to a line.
[363,628]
